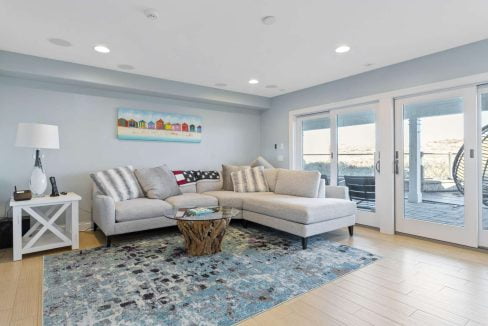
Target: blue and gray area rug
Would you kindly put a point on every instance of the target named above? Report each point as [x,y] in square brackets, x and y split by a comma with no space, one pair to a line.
[151,281]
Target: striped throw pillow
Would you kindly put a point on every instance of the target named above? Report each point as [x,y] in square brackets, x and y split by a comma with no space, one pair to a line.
[118,183]
[249,180]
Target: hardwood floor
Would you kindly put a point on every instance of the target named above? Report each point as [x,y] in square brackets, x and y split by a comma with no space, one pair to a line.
[417,282]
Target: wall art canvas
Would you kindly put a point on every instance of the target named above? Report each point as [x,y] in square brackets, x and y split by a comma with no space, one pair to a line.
[158,126]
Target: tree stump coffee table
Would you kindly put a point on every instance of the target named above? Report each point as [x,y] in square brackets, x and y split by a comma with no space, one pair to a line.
[203,233]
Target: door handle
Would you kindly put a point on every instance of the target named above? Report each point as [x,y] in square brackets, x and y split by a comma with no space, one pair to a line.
[396,162]
[377,166]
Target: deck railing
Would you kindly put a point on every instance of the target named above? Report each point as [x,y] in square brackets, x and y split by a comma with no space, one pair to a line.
[436,166]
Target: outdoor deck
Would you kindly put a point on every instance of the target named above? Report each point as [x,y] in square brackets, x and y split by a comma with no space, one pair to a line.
[436,207]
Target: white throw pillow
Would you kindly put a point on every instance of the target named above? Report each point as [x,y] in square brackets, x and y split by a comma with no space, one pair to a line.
[249,180]
[118,183]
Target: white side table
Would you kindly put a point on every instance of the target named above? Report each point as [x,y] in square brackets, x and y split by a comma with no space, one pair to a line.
[46,234]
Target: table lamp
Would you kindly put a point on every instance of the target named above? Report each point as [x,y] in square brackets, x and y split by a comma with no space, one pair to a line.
[37,136]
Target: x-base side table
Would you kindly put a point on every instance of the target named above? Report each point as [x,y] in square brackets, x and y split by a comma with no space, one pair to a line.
[46,234]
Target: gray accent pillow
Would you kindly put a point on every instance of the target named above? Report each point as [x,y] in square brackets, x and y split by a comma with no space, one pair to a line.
[298,183]
[261,161]
[158,182]
[227,179]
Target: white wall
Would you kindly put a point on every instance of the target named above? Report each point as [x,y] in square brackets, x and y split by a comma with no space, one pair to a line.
[87,119]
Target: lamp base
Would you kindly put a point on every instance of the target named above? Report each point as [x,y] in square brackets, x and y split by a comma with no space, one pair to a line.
[38,180]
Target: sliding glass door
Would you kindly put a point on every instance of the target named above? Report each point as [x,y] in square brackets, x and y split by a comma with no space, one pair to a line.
[341,145]
[435,165]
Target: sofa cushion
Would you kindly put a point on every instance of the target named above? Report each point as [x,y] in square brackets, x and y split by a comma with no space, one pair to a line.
[158,182]
[205,185]
[299,209]
[261,161]
[141,208]
[190,200]
[271,175]
[226,175]
[234,199]
[189,187]
[298,183]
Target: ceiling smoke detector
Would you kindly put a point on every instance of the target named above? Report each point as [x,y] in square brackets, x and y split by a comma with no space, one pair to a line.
[268,20]
[151,14]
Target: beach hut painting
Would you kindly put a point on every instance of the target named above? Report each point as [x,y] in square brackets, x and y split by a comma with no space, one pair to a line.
[135,124]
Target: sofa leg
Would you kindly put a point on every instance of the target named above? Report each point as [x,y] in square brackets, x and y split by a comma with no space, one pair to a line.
[304,243]
[95,227]
[109,241]
[244,223]
[351,230]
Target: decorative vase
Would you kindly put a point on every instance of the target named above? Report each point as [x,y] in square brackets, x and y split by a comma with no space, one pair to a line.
[38,180]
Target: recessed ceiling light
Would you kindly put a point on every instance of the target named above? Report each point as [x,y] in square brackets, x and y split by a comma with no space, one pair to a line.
[253,81]
[125,67]
[271,86]
[268,20]
[220,84]
[101,48]
[343,49]
[59,42]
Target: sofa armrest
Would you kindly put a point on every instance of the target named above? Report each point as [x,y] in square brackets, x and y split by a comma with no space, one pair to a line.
[103,213]
[340,192]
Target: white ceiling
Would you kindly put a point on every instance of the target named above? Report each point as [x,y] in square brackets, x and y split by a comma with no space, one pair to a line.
[224,41]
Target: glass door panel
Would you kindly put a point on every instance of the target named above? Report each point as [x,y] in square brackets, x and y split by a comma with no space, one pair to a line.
[316,140]
[435,177]
[356,146]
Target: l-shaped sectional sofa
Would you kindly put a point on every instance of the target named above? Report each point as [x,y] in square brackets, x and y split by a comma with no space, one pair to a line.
[298,202]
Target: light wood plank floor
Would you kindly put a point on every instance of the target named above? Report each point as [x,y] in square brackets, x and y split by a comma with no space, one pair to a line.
[417,282]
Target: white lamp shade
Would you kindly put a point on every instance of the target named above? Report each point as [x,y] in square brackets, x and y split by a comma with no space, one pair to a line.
[37,135]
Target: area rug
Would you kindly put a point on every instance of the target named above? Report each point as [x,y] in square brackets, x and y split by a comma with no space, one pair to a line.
[151,281]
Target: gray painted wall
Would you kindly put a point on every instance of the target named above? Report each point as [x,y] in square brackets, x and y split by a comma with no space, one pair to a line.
[86,118]
[458,62]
